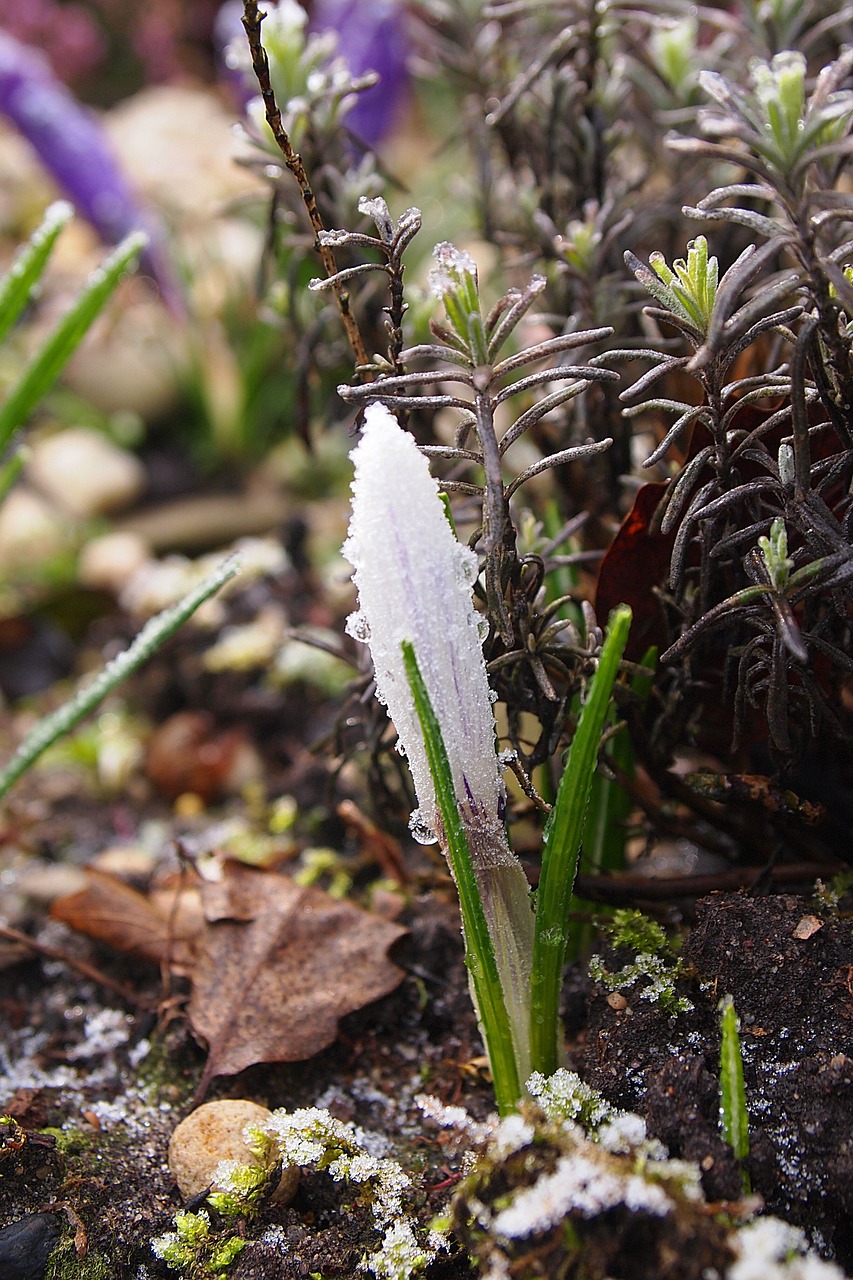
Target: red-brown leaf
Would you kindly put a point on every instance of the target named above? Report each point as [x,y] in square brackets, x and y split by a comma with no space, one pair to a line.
[637,561]
[155,929]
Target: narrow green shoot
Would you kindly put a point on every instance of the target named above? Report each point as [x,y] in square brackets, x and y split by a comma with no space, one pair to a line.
[10,470]
[561,850]
[609,805]
[734,1118]
[19,282]
[479,949]
[86,699]
[47,364]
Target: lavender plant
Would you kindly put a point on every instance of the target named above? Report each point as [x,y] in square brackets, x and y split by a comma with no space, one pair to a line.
[735,382]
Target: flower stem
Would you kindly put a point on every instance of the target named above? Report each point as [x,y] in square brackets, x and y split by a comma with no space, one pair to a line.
[479,950]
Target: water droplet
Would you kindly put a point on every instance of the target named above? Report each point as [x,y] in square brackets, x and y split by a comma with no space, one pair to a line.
[358,627]
[482,629]
[467,567]
[493,696]
[420,828]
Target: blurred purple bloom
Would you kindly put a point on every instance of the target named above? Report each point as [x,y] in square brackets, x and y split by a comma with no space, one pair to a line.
[371,37]
[74,149]
[228,28]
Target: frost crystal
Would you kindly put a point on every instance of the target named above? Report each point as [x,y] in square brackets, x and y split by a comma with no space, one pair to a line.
[413,581]
[772,1250]
[451,266]
[581,1184]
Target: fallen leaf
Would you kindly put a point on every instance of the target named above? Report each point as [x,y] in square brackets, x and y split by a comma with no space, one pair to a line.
[154,928]
[278,966]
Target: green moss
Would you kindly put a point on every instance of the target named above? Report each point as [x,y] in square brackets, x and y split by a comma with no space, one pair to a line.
[64,1264]
[656,976]
[69,1142]
[632,931]
[163,1073]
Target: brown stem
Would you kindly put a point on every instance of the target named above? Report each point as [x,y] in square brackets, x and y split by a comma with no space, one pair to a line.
[252,20]
[87,970]
[626,888]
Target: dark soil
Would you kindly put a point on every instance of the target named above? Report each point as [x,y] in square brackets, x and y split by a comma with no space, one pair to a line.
[794,997]
[113,1087]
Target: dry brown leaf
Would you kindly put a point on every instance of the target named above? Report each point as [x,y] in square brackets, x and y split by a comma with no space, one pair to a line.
[278,966]
[152,928]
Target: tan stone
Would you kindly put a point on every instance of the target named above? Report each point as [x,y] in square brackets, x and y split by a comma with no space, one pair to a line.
[107,563]
[31,531]
[84,473]
[214,1132]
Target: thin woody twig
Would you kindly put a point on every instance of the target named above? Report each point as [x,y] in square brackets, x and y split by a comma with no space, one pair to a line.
[87,970]
[252,20]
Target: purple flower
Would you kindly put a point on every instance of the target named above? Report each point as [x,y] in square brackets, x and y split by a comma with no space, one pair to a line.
[74,149]
[371,37]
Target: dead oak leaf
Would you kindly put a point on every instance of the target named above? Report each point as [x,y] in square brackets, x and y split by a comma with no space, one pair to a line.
[160,928]
[278,966]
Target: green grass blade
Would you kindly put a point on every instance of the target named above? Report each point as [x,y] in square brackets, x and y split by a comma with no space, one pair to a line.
[153,634]
[49,361]
[479,951]
[610,805]
[17,285]
[734,1118]
[561,849]
[10,470]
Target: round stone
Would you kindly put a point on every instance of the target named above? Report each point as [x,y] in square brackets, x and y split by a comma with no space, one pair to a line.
[214,1132]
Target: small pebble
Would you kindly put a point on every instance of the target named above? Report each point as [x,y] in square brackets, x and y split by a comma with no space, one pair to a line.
[214,1132]
[806,927]
[127,861]
[26,1245]
[617,1001]
[107,563]
[31,531]
[85,473]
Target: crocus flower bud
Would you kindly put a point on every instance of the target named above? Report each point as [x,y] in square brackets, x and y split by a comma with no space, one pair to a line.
[414,583]
[371,37]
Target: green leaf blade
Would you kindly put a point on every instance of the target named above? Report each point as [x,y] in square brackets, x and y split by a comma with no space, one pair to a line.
[480,953]
[19,282]
[157,630]
[562,848]
[734,1117]
[49,361]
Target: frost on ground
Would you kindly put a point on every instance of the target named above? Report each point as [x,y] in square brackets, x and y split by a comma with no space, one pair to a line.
[577,1178]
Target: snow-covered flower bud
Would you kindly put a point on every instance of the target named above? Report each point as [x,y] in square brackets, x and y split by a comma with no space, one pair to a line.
[454,282]
[414,583]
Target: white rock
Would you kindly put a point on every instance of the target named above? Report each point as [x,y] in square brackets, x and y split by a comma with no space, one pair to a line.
[109,562]
[176,144]
[30,531]
[84,473]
